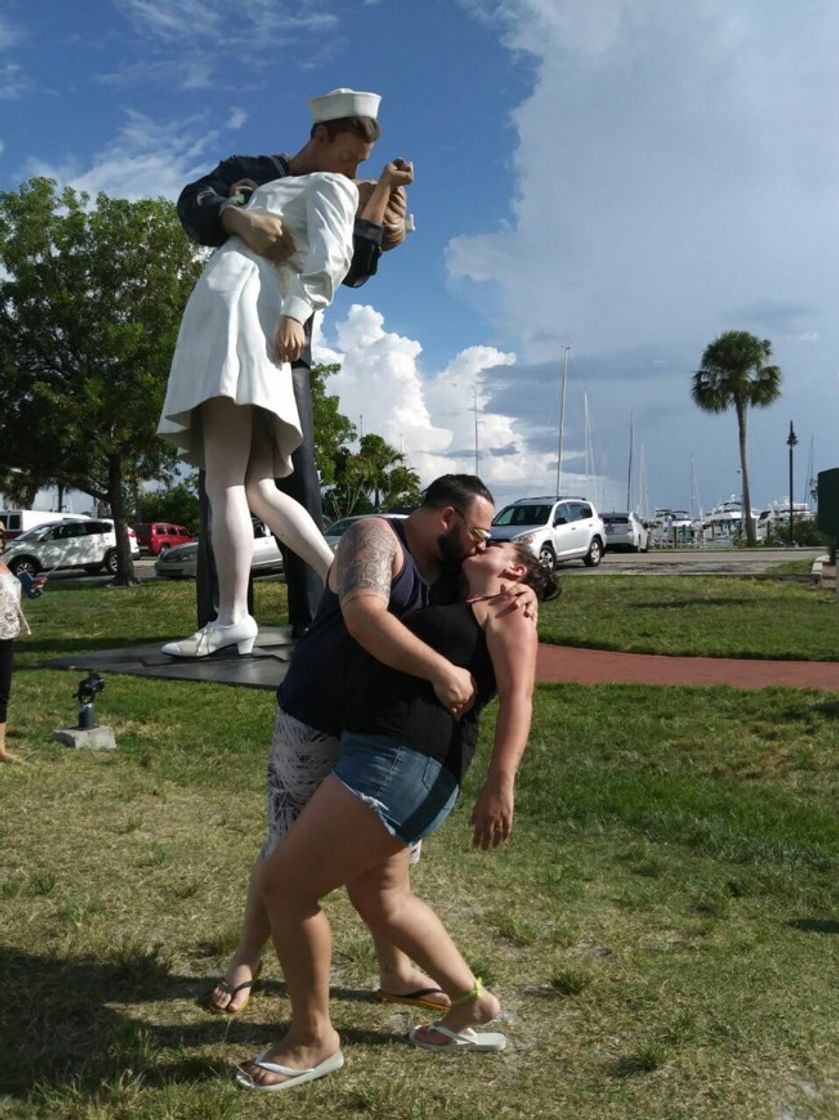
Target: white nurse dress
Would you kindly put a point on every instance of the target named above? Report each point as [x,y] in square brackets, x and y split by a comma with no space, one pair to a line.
[226,341]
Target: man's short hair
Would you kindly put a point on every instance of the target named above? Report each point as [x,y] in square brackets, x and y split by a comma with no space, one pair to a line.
[456,490]
[364,127]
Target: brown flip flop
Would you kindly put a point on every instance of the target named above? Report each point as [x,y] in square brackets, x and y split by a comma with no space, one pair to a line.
[226,986]
[419,998]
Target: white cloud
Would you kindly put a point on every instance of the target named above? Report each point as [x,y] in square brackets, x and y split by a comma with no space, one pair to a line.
[10,33]
[189,42]
[173,19]
[383,389]
[13,81]
[145,160]
[675,177]
[237,118]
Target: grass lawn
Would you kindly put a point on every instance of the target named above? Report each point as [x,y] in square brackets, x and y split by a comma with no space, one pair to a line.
[706,616]
[662,929]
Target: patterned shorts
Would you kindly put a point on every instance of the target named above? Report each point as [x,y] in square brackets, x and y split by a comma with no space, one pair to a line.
[301,757]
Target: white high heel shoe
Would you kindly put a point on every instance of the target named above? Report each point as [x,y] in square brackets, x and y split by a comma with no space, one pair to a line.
[213,637]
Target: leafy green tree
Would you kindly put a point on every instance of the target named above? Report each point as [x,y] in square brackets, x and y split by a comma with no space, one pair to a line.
[332,430]
[347,495]
[177,503]
[374,479]
[735,371]
[89,315]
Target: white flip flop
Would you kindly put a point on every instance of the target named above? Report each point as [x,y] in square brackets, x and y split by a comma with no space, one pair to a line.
[487,1042]
[295,1076]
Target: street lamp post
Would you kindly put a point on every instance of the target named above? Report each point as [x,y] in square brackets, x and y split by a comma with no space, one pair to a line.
[792,440]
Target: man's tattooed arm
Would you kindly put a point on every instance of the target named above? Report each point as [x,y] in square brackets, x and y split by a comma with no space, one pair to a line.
[364,564]
[364,567]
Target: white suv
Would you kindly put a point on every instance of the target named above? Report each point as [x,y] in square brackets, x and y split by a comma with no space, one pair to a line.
[90,544]
[557,529]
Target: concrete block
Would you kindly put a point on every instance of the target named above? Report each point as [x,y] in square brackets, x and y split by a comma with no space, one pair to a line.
[99,738]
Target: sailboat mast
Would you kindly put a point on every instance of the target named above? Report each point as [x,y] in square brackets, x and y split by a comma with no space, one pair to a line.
[629,464]
[561,433]
[643,496]
[809,477]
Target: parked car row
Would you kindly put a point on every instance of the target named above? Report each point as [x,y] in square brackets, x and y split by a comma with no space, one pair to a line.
[181,562]
[88,543]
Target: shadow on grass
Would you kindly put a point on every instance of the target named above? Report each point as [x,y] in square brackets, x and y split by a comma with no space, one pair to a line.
[59,647]
[60,1022]
[815,925]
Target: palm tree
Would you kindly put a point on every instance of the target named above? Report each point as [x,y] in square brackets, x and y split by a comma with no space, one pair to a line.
[378,458]
[735,371]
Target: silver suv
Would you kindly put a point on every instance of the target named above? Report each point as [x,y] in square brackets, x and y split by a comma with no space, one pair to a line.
[557,529]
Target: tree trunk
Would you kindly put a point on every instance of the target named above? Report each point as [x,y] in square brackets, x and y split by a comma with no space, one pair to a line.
[125,576]
[748,524]
[59,489]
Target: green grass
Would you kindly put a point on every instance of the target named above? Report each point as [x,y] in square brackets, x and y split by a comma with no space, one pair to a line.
[661,929]
[703,616]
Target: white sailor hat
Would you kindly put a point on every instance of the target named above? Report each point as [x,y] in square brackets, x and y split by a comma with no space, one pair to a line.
[344,103]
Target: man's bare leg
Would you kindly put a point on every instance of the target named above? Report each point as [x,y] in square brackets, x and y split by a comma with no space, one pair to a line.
[245,960]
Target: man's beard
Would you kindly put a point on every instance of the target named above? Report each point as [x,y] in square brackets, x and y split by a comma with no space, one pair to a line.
[451,551]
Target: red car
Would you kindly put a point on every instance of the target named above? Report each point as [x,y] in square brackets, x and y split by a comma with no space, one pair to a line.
[156,536]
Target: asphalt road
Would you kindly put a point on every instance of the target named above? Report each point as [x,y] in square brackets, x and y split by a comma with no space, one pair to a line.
[692,561]
[698,561]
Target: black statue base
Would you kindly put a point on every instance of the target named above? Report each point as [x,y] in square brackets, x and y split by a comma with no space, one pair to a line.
[264,668]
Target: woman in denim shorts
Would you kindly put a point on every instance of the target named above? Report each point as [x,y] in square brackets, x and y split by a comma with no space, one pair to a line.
[402,762]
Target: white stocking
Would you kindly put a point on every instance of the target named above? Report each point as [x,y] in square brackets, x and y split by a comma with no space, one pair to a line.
[227,431]
[286,518]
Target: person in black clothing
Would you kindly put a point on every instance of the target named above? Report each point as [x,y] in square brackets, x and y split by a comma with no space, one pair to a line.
[342,137]
[402,760]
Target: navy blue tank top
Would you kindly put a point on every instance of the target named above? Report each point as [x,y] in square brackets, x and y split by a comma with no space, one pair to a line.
[315,687]
[386,702]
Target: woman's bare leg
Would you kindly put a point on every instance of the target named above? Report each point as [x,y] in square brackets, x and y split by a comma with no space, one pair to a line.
[337,839]
[286,518]
[227,432]
[372,894]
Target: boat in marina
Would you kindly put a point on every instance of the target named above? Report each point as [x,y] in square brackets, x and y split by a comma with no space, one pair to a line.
[725,521]
[777,513]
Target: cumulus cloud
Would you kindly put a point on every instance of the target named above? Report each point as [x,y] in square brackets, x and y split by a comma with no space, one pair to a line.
[674,177]
[431,415]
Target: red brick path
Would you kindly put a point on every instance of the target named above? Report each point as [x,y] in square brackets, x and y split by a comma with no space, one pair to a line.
[595,666]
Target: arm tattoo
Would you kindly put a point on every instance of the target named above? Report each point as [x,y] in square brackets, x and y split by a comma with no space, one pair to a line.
[365,559]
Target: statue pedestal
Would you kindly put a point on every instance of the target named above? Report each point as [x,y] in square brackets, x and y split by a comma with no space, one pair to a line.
[98,738]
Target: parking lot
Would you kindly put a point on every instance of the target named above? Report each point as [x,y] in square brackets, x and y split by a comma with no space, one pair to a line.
[693,561]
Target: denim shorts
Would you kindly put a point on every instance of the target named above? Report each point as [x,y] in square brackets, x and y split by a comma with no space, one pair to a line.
[410,792]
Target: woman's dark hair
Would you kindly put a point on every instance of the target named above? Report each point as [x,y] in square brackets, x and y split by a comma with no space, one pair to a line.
[536,575]
[456,490]
[364,127]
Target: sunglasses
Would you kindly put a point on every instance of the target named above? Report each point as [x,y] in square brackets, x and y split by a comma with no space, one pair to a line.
[478,535]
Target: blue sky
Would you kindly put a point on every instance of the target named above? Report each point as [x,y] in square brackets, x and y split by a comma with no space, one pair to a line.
[627,177]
